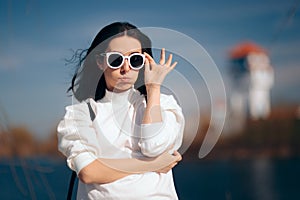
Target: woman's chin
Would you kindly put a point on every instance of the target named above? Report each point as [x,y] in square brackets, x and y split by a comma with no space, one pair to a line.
[122,88]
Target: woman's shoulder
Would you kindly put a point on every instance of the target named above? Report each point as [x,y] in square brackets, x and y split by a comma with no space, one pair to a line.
[167,98]
[81,107]
[168,101]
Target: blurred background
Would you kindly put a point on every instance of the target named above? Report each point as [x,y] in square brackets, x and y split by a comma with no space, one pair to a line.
[255,45]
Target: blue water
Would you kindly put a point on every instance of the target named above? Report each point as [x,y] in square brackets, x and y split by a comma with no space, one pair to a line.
[260,179]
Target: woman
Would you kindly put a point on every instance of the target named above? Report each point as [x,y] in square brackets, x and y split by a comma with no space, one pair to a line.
[133,120]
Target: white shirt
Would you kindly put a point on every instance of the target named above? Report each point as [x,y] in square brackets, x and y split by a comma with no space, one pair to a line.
[117,132]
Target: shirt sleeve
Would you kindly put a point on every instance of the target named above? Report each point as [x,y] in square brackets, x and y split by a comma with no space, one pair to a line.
[76,137]
[157,138]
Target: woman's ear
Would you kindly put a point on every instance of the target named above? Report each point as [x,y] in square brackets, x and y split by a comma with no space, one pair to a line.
[99,61]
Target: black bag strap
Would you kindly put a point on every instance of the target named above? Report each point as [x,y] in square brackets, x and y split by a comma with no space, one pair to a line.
[71,185]
[74,175]
[92,114]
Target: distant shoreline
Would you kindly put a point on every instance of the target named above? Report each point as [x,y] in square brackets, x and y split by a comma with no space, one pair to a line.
[275,137]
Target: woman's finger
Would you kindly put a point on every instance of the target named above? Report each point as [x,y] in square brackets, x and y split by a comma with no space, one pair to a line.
[149,58]
[162,56]
[173,65]
[168,63]
[178,155]
[147,65]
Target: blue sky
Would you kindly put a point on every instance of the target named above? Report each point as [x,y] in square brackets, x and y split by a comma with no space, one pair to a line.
[36,37]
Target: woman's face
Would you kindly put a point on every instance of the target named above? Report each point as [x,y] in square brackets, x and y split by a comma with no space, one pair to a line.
[121,79]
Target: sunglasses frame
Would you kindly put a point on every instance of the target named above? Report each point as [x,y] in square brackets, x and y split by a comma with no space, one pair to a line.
[107,54]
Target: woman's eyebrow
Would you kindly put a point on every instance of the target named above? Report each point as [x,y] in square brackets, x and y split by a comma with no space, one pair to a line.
[129,52]
[132,52]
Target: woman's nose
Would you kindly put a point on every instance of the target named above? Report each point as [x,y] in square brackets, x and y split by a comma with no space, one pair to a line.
[125,67]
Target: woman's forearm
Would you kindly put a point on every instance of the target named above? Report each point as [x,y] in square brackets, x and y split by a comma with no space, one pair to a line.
[97,172]
[153,111]
[103,171]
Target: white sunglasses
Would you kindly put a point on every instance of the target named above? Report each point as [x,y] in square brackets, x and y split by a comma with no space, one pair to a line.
[115,60]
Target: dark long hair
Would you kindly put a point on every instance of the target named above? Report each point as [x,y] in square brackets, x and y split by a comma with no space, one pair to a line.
[88,80]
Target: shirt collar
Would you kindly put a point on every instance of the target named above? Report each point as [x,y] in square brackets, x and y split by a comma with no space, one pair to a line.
[118,97]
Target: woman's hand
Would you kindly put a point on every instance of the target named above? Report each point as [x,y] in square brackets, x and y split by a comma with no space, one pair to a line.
[173,164]
[156,73]
[154,76]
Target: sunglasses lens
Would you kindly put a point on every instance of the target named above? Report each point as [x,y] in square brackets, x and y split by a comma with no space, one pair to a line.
[115,60]
[136,61]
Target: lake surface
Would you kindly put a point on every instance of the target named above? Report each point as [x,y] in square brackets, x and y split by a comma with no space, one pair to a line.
[259,179]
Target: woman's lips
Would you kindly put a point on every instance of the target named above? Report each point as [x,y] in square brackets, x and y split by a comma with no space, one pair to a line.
[124,79]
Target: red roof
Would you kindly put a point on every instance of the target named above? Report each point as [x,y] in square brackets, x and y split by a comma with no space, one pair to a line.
[243,49]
